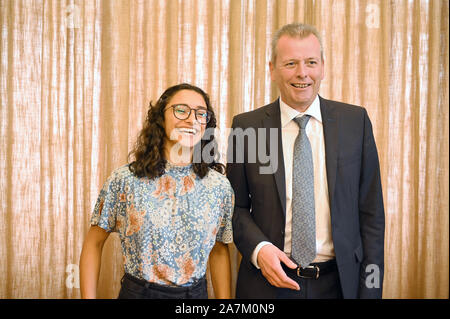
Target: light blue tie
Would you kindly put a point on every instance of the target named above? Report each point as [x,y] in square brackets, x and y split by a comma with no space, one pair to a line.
[303,211]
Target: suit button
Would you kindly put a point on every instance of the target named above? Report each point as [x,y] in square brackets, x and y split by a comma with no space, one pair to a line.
[282,233]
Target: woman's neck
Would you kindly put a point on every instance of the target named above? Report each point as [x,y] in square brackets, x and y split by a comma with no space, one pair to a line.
[178,155]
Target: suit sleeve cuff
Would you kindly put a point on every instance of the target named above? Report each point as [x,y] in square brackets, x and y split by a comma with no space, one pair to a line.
[254,259]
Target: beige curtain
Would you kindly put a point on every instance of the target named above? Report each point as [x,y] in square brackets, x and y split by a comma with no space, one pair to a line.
[76,78]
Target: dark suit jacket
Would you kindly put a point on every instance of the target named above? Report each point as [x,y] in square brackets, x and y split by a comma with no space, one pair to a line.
[355,196]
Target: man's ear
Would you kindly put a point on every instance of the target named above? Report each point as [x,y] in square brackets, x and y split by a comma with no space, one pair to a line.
[271,67]
[323,69]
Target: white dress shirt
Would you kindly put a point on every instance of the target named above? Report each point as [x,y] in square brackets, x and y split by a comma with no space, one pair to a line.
[314,131]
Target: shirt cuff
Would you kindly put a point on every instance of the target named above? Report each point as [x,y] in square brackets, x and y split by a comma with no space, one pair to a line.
[254,259]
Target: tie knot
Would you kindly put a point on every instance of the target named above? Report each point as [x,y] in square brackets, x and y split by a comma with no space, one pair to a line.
[302,121]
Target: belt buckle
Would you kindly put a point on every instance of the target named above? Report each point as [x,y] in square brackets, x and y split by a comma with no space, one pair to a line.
[309,267]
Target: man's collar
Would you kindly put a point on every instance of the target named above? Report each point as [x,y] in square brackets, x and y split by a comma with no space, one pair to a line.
[288,113]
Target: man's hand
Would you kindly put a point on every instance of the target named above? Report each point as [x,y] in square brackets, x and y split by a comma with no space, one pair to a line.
[269,260]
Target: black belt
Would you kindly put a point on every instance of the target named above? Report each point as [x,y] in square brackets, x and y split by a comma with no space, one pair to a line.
[314,270]
[173,289]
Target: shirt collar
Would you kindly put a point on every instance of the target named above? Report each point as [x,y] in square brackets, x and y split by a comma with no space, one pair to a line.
[288,113]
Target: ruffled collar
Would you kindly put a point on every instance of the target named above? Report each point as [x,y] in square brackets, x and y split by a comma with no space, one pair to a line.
[178,168]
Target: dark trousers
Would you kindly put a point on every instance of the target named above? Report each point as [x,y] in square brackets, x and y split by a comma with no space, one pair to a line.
[134,288]
[327,286]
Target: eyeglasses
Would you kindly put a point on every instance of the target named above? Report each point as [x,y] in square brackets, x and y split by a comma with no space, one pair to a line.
[183,111]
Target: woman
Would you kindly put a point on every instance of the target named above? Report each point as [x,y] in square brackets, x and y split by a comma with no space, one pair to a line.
[171,213]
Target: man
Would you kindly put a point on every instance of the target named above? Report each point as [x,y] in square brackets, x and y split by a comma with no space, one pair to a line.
[314,226]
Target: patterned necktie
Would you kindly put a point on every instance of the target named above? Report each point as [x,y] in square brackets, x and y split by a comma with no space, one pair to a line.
[303,212]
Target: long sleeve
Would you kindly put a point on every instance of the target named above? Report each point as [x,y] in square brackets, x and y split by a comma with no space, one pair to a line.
[372,218]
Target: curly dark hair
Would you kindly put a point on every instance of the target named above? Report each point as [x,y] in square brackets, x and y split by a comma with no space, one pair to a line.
[149,160]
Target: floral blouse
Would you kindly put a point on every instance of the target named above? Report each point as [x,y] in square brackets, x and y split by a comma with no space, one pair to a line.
[167,226]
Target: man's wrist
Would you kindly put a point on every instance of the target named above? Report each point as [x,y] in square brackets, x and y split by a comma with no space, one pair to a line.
[254,258]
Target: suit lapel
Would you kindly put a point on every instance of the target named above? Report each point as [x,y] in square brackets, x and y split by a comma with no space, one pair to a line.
[330,132]
[273,120]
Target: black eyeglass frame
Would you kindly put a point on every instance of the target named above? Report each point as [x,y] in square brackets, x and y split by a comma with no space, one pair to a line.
[208,118]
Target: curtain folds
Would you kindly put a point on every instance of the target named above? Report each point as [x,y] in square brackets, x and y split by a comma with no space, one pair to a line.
[76,79]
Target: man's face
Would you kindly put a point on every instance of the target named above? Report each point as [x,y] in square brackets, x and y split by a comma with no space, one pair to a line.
[298,70]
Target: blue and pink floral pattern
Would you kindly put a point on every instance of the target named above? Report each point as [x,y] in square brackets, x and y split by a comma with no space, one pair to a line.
[167,226]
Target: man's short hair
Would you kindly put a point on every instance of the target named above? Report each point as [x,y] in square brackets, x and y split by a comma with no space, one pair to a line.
[294,30]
